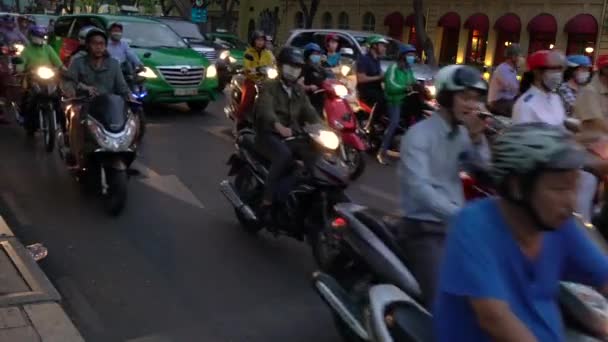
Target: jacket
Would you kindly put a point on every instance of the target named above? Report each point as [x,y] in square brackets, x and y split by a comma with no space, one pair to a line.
[274,104]
[396,82]
[108,79]
[252,59]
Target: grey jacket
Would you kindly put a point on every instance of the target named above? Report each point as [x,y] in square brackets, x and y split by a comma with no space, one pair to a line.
[107,79]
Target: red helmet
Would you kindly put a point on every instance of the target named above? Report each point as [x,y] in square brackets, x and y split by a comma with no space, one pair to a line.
[546,59]
[330,37]
[602,61]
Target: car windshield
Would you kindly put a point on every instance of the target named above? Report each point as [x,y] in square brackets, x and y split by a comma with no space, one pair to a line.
[151,35]
[185,29]
[392,51]
[42,20]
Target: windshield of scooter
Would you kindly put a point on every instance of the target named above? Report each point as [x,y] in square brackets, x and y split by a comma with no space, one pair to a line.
[110,111]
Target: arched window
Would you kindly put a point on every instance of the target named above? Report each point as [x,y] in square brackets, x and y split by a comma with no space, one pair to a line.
[369,22]
[451,33]
[299,20]
[543,31]
[508,29]
[582,32]
[343,21]
[250,27]
[478,25]
[327,21]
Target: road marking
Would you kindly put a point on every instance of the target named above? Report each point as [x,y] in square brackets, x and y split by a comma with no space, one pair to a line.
[378,193]
[151,338]
[79,304]
[167,184]
[222,132]
[19,213]
[145,171]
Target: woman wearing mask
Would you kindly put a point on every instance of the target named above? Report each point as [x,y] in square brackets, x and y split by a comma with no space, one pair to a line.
[576,75]
[332,43]
[313,75]
[398,80]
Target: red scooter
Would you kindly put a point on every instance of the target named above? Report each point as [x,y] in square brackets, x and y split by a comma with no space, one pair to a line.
[341,118]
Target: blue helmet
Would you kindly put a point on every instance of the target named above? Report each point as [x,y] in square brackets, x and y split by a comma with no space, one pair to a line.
[406,48]
[312,47]
[38,31]
[575,61]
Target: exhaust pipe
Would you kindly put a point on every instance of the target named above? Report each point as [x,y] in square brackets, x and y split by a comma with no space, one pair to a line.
[228,190]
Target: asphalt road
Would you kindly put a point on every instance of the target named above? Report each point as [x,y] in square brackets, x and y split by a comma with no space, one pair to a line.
[175,266]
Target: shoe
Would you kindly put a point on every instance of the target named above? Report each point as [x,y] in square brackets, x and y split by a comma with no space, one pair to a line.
[382,159]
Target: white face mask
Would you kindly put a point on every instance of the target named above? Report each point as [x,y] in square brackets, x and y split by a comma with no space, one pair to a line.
[37,40]
[582,77]
[552,79]
[291,73]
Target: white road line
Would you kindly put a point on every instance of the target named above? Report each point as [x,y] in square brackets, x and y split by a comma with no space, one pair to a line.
[19,213]
[151,338]
[378,193]
[220,132]
[79,304]
[146,171]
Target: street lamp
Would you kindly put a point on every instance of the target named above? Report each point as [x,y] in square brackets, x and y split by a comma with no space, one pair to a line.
[507,43]
[589,50]
[551,46]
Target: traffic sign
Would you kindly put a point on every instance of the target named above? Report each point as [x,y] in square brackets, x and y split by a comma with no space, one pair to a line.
[199,15]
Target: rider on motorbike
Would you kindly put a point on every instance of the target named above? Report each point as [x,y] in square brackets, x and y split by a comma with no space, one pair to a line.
[504,86]
[282,107]
[35,55]
[11,33]
[370,75]
[313,75]
[591,105]
[82,46]
[505,256]
[576,76]
[120,50]
[256,56]
[332,43]
[433,153]
[398,80]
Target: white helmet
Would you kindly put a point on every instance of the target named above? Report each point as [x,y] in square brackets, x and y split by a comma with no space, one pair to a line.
[459,77]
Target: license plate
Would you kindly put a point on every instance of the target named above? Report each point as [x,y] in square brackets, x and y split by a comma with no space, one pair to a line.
[185,91]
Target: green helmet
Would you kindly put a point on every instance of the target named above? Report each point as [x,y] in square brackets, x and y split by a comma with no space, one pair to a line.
[524,149]
[376,39]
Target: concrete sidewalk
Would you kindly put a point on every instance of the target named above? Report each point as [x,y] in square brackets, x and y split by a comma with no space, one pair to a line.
[29,303]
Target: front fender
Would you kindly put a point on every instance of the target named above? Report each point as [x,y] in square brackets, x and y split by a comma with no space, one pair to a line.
[236,163]
[354,140]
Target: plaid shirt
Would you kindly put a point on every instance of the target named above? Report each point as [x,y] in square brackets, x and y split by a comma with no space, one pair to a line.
[568,96]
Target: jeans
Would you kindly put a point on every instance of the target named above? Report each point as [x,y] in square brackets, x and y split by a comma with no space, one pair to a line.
[587,188]
[394,114]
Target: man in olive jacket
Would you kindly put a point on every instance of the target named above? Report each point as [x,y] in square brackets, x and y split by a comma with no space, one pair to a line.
[282,107]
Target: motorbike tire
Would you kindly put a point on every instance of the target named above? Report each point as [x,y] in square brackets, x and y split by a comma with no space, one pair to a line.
[245,184]
[198,106]
[116,197]
[355,162]
[142,124]
[48,131]
[345,332]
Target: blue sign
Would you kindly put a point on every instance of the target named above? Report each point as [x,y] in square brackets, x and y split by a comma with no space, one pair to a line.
[199,15]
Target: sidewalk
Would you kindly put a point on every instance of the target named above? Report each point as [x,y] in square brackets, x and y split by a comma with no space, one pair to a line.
[29,303]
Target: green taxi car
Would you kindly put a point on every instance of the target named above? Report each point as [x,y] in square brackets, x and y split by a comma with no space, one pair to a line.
[174,72]
[231,42]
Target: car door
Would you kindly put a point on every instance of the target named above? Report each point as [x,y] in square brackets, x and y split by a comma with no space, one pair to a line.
[63,25]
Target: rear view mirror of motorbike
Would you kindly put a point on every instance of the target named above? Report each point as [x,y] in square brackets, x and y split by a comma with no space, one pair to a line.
[347,52]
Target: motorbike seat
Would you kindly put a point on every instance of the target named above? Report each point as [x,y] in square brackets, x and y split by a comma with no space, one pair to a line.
[385,227]
[246,140]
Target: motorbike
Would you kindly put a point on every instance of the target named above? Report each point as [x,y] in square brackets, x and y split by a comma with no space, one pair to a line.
[303,205]
[137,86]
[234,94]
[110,129]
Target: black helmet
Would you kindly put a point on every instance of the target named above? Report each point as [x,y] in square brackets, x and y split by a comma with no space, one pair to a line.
[115,25]
[292,56]
[95,32]
[255,35]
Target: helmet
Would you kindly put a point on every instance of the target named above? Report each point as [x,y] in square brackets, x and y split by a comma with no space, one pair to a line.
[94,31]
[575,61]
[513,50]
[291,55]
[376,39]
[38,31]
[82,34]
[459,77]
[255,35]
[115,25]
[310,48]
[527,148]
[406,48]
[545,59]
[330,37]
[602,61]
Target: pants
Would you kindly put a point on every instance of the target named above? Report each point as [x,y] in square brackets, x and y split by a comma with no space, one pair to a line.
[30,116]
[586,192]
[282,155]
[423,243]
[247,100]
[502,107]
[374,96]
[394,114]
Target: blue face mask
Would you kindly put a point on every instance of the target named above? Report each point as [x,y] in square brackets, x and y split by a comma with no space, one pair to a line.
[315,59]
[410,59]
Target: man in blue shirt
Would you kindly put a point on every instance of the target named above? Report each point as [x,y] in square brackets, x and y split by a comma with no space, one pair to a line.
[119,49]
[505,256]
[370,74]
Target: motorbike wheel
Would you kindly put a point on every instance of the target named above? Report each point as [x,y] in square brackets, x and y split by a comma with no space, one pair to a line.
[246,186]
[142,124]
[345,332]
[198,106]
[355,162]
[49,129]
[116,197]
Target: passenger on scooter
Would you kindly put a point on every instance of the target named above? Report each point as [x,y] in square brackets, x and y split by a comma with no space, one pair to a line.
[576,76]
[119,49]
[11,32]
[370,74]
[433,153]
[591,105]
[333,57]
[398,82]
[82,46]
[313,75]
[282,106]
[541,103]
[505,256]
[35,55]
[504,86]
[255,57]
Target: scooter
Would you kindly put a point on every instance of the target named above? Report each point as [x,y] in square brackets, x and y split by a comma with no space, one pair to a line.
[137,86]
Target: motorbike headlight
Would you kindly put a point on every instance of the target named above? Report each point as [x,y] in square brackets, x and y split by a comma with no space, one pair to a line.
[432,90]
[113,142]
[18,48]
[224,54]
[147,73]
[327,139]
[231,59]
[272,73]
[340,90]
[345,70]
[45,73]
[211,71]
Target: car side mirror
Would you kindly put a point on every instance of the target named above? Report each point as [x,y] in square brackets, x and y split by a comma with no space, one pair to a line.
[248,57]
[147,55]
[347,52]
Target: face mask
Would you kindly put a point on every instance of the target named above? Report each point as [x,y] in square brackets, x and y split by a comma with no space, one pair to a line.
[291,73]
[116,35]
[582,77]
[315,59]
[552,79]
[410,59]
[37,40]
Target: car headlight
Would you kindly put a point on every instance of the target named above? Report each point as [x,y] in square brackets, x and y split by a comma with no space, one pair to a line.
[45,73]
[211,71]
[327,139]
[432,90]
[345,70]
[340,90]
[113,142]
[224,54]
[272,73]
[147,73]
[18,48]
[231,59]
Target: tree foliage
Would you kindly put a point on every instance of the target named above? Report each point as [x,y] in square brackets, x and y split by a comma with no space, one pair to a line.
[421,35]
[309,9]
